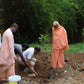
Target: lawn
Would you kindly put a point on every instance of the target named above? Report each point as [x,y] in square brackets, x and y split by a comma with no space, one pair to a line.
[74,48]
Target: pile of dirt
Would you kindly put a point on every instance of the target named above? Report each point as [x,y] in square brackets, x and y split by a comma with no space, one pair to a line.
[74,65]
[45,58]
[41,70]
[70,70]
[19,69]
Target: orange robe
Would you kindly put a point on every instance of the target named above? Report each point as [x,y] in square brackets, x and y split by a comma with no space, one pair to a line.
[7,56]
[60,44]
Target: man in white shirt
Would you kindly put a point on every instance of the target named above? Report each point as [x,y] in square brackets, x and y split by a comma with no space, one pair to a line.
[28,56]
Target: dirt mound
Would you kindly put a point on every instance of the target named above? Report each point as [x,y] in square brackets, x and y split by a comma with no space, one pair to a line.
[70,70]
[74,65]
[45,58]
[41,70]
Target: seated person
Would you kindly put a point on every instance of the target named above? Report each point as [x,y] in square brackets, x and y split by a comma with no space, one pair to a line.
[28,56]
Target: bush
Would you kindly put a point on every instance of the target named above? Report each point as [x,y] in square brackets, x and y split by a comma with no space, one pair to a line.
[46,38]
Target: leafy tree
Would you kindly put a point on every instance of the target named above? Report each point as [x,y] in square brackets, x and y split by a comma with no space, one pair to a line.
[1,4]
[35,17]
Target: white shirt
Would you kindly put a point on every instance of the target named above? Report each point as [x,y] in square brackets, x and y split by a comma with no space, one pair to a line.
[28,54]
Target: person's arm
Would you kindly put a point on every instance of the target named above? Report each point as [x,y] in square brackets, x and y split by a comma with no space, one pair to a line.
[19,52]
[31,67]
[28,64]
[29,56]
[66,40]
[11,45]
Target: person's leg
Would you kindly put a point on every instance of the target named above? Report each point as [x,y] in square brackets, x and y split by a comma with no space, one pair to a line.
[55,56]
[61,62]
[27,70]
[33,61]
[3,75]
[11,70]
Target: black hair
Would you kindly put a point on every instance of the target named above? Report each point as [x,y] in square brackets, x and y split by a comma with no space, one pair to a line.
[25,45]
[14,25]
[38,49]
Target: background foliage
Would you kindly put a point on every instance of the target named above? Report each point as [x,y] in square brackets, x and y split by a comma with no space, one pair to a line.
[35,18]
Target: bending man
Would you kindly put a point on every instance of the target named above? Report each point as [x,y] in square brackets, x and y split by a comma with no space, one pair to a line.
[29,60]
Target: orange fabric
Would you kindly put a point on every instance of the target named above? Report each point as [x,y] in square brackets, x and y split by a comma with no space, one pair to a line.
[60,44]
[7,55]
[10,71]
[58,58]
[59,38]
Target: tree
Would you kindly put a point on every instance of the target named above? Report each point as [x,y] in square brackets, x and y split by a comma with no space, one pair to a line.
[35,17]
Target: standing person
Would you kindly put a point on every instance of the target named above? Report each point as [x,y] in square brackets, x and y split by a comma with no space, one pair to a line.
[59,45]
[7,55]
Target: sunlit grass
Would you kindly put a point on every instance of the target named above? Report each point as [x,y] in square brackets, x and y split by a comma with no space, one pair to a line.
[44,47]
[74,48]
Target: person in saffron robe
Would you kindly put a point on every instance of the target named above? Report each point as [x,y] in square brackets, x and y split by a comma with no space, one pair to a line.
[7,55]
[59,45]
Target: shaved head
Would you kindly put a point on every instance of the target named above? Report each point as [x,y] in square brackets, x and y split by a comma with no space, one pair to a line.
[55,25]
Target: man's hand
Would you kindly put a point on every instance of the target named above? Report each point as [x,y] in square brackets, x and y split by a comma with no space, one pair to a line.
[16,59]
[28,64]
[33,70]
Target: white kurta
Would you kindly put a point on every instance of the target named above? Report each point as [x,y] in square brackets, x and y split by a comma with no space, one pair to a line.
[7,55]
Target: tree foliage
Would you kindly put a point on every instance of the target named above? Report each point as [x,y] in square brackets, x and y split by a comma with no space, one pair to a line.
[1,4]
[35,17]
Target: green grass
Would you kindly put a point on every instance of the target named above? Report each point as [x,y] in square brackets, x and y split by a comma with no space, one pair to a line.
[44,47]
[74,48]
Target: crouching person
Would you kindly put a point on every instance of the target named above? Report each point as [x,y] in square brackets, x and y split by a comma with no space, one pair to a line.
[29,60]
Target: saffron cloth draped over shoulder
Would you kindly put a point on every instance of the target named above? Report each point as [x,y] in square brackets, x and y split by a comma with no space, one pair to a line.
[59,38]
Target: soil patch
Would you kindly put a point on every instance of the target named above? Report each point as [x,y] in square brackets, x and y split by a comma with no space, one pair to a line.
[73,64]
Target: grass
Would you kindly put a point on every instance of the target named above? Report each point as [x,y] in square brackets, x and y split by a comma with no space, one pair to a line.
[44,47]
[74,48]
